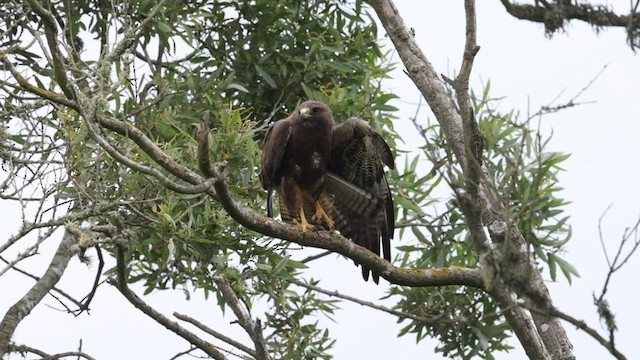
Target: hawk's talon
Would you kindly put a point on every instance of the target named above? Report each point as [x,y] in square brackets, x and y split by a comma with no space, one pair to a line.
[304,223]
[322,215]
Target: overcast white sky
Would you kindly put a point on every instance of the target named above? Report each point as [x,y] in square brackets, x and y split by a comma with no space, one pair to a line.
[527,69]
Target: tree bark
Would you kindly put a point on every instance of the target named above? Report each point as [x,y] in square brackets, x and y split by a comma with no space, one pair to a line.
[23,307]
[423,74]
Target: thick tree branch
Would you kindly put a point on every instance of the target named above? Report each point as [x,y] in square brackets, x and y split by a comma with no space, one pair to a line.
[580,324]
[455,128]
[40,289]
[452,275]
[520,321]
[422,73]
[553,14]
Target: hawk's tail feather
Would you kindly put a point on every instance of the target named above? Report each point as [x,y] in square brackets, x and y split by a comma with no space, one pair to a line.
[270,202]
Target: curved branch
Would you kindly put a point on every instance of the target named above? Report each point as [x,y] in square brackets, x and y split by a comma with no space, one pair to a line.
[36,90]
[452,275]
[39,290]
[155,173]
[148,146]
[58,60]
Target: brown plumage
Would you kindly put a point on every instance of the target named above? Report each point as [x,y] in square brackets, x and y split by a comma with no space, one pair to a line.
[362,204]
[321,169]
[295,154]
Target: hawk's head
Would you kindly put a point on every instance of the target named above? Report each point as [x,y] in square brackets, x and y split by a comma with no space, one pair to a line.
[312,113]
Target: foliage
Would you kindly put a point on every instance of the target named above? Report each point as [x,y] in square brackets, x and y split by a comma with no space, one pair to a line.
[468,322]
[244,64]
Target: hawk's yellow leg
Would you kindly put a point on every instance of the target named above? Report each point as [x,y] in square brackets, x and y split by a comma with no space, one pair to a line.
[304,223]
[321,214]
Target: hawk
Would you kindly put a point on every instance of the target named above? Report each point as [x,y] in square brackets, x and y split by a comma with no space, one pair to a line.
[295,155]
[335,173]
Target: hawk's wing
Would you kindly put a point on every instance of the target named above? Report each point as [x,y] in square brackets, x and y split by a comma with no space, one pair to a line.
[362,204]
[273,147]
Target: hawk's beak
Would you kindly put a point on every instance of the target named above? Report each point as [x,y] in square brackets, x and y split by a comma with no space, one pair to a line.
[305,113]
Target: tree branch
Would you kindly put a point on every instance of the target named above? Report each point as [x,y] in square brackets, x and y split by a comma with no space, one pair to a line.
[492,213]
[580,324]
[452,275]
[27,349]
[216,334]
[253,328]
[422,73]
[58,61]
[26,85]
[401,315]
[39,290]
[521,323]
[121,285]
[553,15]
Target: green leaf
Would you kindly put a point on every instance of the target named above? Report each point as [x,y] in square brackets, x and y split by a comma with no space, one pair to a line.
[237,87]
[567,268]
[266,77]
[164,27]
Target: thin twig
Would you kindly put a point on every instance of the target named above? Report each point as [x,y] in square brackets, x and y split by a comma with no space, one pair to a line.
[44,356]
[36,278]
[215,334]
[186,352]
[316,256]
[399,314]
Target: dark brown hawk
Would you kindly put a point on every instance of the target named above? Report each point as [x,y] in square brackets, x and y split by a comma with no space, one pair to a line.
[334,172]
[295,155]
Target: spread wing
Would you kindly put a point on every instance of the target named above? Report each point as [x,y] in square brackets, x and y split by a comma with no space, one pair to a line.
[361,204]
[273,149]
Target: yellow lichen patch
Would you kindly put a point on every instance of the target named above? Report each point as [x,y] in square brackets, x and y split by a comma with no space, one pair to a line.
[441,271]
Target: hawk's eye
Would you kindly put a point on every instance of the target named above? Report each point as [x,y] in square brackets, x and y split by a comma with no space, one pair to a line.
[315,110]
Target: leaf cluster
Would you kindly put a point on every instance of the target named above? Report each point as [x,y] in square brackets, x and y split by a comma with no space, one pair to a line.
[435,235]
[242,65]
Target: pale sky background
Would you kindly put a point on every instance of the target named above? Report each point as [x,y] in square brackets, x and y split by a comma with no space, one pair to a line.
[527,69]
